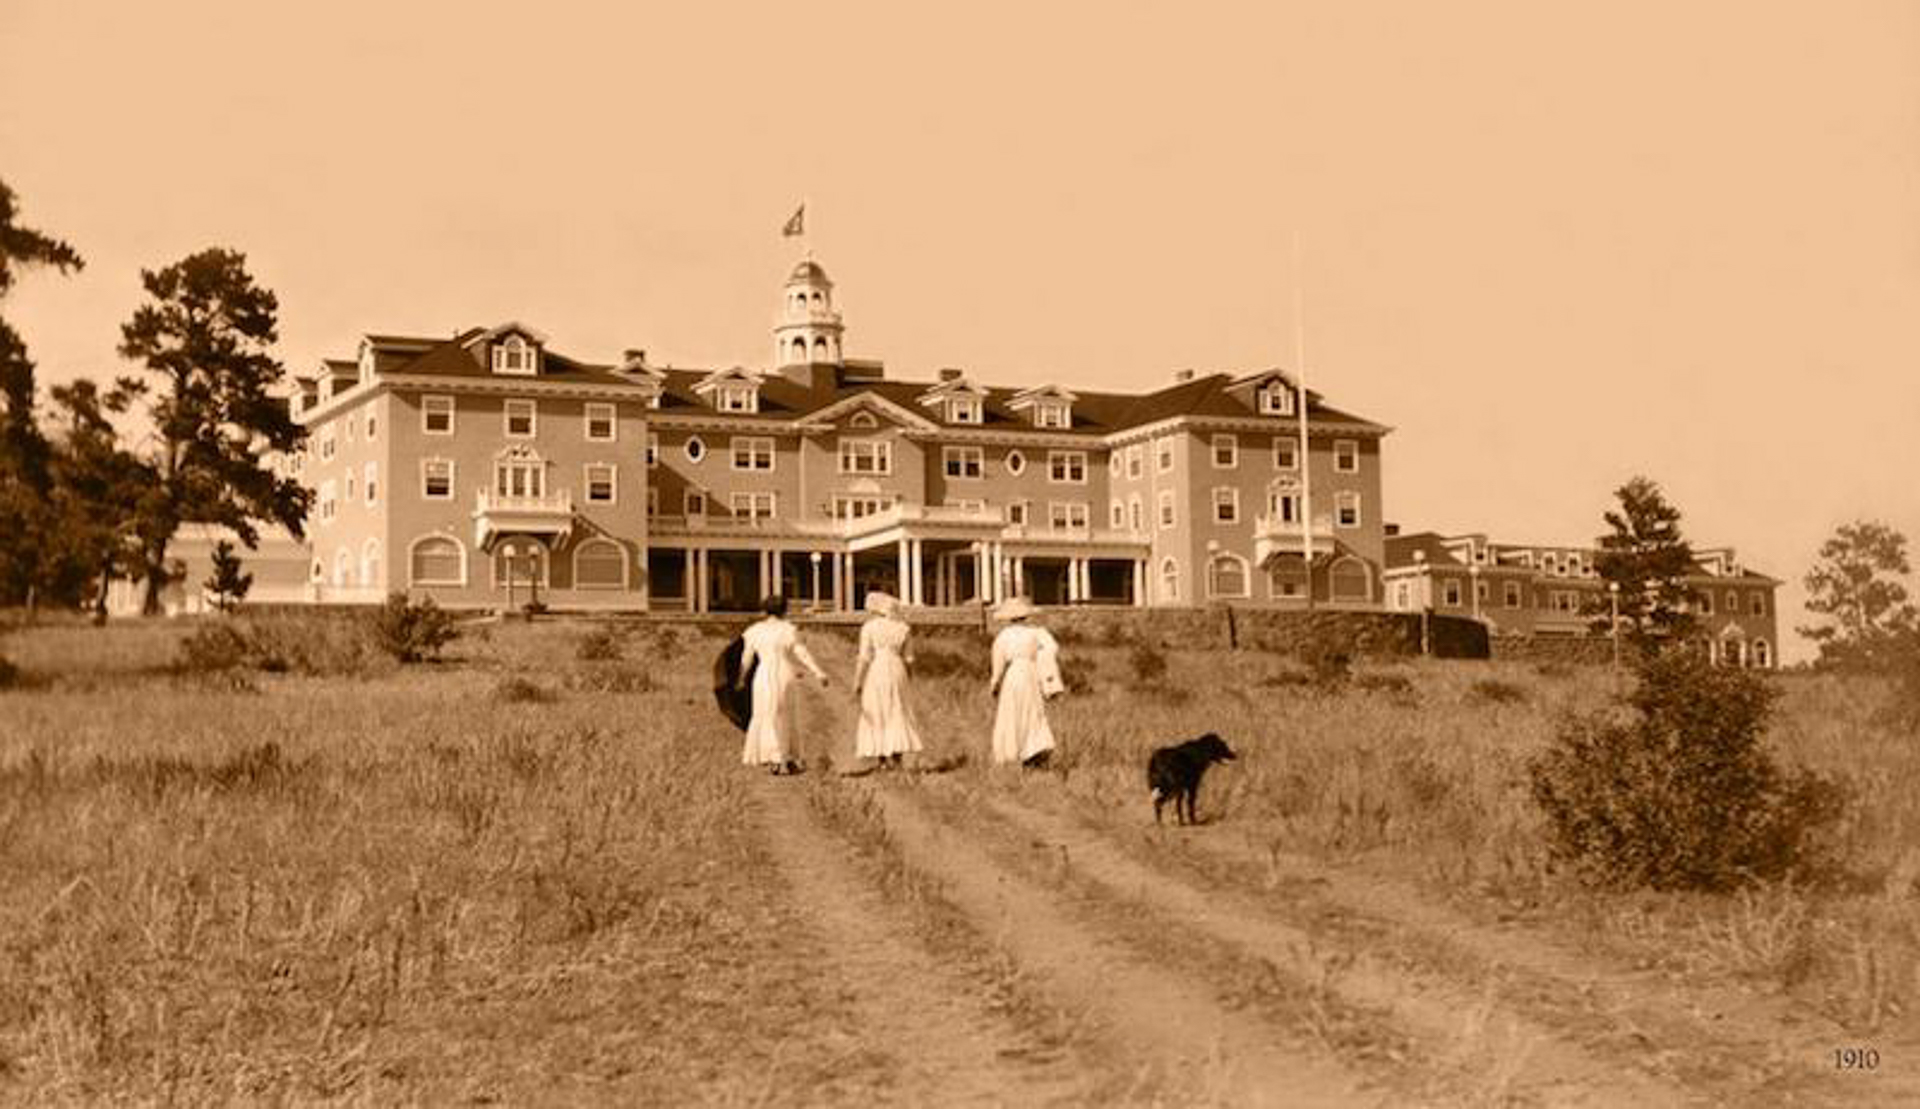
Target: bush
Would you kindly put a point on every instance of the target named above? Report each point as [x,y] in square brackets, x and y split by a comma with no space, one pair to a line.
[1149,664]
[1496,692]
[516,690]
[600,644]
[1682,795]
[610,679]
[409,631]
[213,649]
[1328,656]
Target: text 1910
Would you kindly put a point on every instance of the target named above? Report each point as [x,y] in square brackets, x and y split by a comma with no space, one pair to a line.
[1855,1058]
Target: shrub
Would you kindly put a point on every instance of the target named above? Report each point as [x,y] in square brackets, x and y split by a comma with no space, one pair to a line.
[516,690]
[213,649]
[409,631]
[315,645]
[1328,655]
[1149,664]
[600,644]
[610,679]
[1496,692]
[1681,794]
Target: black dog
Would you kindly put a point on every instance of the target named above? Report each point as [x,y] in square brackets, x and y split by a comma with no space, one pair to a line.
[1174,773]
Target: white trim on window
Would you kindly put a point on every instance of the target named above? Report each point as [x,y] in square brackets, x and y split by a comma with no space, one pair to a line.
[752,502]
[1017,512]
[866,456]
[1227,498]
[1225,451]
[515,356]
[748,452]
[1067,467]
[1117,514]
[1170,580]
[427,468]
[595,543]
[1136,462]
[370,562]
[653,449]
[1166,513]
[963,410]
[413,566]
[1136,514]
[1068,515]
[653,500]
[1228,558]
[1346,456]
[527,409]
[693,502]
[1276,399]
[1286,453]
[1163,454]
[695,448]
[613,482]
[598,412]
[432,405]
[369,482]
[966,458]
[1343,502]
[1016,462]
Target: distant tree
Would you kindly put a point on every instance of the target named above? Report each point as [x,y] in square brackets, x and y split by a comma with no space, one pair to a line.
[227,584]
[1647,558]
[207,336]
[98,489]
[1857,585]
[25,521]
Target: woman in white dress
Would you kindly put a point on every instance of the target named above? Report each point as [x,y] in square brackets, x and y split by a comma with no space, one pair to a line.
[773,650]
[1025,670]
[886,730]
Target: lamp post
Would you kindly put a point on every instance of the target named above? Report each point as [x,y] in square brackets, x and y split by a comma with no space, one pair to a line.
[1613,598]
[814,558]
[1426,604]
[1473,583]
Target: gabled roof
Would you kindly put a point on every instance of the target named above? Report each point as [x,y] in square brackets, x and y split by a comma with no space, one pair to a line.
[1430,545]
[511,327]
[453,358]
[868,400]
[732,375]
[1025,397]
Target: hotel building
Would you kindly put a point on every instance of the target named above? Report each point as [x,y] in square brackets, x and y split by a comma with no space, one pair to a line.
[490,469]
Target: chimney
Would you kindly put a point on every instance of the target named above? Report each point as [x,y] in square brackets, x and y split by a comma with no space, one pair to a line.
[1393,530]
[950,374]
[1181,377]
[632,357]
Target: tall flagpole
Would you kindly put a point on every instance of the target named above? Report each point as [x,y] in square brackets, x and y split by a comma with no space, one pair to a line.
[1306,457]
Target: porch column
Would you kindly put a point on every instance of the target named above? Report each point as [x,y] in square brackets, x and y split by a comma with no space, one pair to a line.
[1140,582]
[902,582]
[997,584]
[700,573]
[686,578]
[1019,575]
[1073,582]
[916,550]
[843,565]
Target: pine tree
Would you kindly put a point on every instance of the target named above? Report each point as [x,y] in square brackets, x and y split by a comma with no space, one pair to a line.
[207,336]
[1645,556]
[98,489]
[227,584]
[1857,585]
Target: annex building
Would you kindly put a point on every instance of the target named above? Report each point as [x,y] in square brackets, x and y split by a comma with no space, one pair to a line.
[490,468]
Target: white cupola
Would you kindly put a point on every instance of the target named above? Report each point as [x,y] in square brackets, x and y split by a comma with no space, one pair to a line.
[809,328]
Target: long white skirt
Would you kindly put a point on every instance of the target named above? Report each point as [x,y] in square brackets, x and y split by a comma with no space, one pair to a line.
[1020,728]
[770,732]
[886,720]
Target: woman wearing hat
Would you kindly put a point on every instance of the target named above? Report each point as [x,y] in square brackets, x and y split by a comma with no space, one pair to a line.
[774,654]
[1025,656]
[886,730]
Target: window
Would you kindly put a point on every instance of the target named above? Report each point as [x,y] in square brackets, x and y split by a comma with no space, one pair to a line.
[437,560]
[1733,603]
[1169,580]
[653,449]
[1283,508]
[653,500]
[436,415]
[370,482]
[1762,655]
[1346,510]
[436,479]
[1482,591]
[349,485]
[694,502]
[370,562]
[1513,594]
[1226,452]
[1758,608]
[1163,454]
[854,507]
[1016,463]
[1226,504]
[520,478]
[752,506]
[514,356]
[600,424]
[1017,513]
[963,410]
[1067,515]
[1706,602]
[866,456]
[327,494]
[350,424]
[372,425]
[600,482]
[1113,464]
[1117,515]
[1350,580]
[737,398]
[1136,461]
[1286,453]
[1346,456]
[752,453]
[1136,513]
[1052,414]
[600,564]
[520,419]
[1067,467]
[1450,593]
[1276,400]
[1166,509]
[1287,578]
[1565,601]
[962,462]
[863,419]
[967,504]
[695,449]
[326,443]
[1227,576]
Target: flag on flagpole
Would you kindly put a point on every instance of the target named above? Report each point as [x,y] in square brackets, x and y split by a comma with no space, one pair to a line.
[797,223]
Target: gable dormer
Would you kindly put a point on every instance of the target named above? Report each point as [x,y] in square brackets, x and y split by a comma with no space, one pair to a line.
[1268,393]
[956,400]
[1048,407]
[633,367]
[734,390]
[511,349]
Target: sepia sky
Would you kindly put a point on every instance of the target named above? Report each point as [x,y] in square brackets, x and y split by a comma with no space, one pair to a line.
[1553,245]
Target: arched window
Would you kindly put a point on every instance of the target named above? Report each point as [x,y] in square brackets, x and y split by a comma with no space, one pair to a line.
[1170,581]
[1227,576]
[343,567]
[1351,580]
[1762,655]
[370,562]
[863,419]
[819,350]
[319,573]
[437,560]
[799,350]
[600,564]
[1733,652]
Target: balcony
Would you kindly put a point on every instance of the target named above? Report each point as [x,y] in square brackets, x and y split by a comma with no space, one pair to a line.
[1272,536]
[547,515]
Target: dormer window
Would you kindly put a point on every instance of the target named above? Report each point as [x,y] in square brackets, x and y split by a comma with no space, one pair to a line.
[513,355]
[1052,414]
[736,398]
[1276,400]
[963,410]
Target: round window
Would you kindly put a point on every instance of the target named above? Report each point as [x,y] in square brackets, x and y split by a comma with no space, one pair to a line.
[696,450]
[1016,462]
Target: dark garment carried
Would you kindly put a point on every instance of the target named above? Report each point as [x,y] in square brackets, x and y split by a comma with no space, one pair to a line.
[733,690]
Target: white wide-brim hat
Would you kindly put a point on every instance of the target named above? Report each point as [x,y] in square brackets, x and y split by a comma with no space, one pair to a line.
[886,604]
[1014,608]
